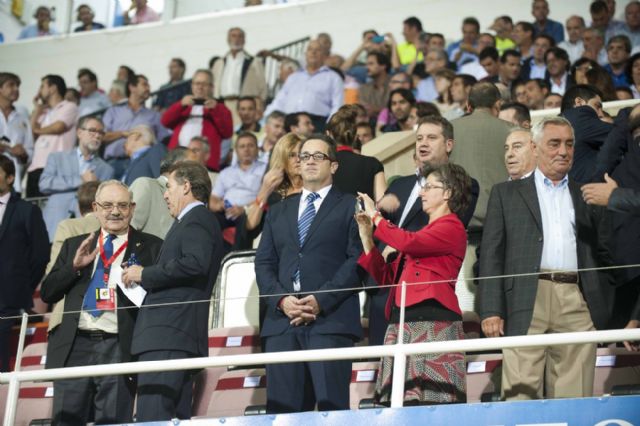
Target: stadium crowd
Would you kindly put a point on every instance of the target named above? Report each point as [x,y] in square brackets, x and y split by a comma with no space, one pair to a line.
[144,197]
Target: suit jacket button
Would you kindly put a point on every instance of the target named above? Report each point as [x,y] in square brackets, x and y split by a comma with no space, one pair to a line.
[417,274]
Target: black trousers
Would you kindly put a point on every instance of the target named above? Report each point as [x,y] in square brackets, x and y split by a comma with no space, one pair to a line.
[109,397]
[5,337]
[164,395]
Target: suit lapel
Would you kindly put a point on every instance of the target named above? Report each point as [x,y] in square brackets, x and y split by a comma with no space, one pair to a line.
[8,212]
[135,245]
[528,192]
[327,206]
[415,208]
[576,198]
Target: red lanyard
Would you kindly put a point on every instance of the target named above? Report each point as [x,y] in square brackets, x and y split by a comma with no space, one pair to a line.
[344,148]
[107,262]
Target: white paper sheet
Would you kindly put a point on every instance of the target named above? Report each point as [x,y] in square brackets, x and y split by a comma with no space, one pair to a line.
[135,293]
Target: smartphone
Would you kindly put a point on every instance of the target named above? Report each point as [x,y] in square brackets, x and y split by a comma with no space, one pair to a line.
[377,39]
[198,101]
[359,206]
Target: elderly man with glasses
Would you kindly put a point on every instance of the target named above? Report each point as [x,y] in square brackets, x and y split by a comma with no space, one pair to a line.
[66,171]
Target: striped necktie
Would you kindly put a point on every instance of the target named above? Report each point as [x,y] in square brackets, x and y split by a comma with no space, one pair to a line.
[304,223]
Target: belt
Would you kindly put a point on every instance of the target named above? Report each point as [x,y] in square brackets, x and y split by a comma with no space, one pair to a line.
[560,277]
[95,334]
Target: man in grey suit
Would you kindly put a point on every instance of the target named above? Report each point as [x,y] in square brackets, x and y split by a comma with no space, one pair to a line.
[540,226]
[66,171]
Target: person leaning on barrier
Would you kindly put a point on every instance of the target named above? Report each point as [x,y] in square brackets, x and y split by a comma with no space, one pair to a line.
[183,275]
[93,332]
[539,233]
[434,253]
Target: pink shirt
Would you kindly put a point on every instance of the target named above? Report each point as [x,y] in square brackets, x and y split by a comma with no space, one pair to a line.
[145,15]
[65,111]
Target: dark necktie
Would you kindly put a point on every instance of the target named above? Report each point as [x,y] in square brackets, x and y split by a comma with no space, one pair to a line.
[304,223]
[97,282]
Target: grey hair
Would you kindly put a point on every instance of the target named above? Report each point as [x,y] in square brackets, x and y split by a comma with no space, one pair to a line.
[537,130]
[146,132]
[441,53]
[204,141]
[518,129]
[83,120]
[113,182]
[290,64]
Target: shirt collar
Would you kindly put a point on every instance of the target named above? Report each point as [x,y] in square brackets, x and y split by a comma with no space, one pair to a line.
[81,156]
[139,152]
[541,179]
[124,237]
[5,198]
[322,192]
[188,208]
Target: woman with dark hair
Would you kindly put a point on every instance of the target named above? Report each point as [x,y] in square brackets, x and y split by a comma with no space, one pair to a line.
[429,261]
[633,74]
[356,172]
[587,71]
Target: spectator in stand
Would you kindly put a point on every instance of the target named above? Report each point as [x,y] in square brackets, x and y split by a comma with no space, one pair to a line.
[125,73]
[53,123]
[356,173]
[553,100]
[175,89]
[400,80]
[601,19]
[574,46]
[273,131]
[435,59]
[503,26]
[72,95]
[474,67]
[544,25]
[519,92]
[601,79]
[464,50]
[537,90]
[199,151]
[633,75]
[558,76]
[593,42]
[316,90]
[582,106]
[515,113]
[24,250]
[16,138]
[364,134]
[443,79]
[92,99]
[400,103]
[237,186]
[238,74]
[248,114]
[490,61]
[41,28]
[519,157]
[374,94]
[66,171]
[407,51]
[624,93]
[299,123]
[618,52]
[199,114]
[460,88]
[632,22]
[86,16]
[120,119]
[510,68]
[145,154]
[523,34]
[117,92]
[579,69]
[143,13]
[535,67]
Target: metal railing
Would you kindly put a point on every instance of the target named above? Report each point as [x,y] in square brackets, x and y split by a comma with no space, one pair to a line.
[293,50]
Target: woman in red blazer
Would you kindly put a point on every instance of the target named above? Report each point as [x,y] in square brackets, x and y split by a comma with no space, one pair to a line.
[429,261]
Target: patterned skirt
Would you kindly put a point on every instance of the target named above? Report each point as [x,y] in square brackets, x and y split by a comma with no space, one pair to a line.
[430,378]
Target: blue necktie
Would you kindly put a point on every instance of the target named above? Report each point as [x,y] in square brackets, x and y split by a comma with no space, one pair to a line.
[304,223]
[89,302]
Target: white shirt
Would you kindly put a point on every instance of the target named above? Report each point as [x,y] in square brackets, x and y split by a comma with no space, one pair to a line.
[193,126]
[17,129]
[413,196]
[3,204]
[231,75]
[317,203]
[537,71]
[558,224]
[573,49]
[559,88]
[108,321]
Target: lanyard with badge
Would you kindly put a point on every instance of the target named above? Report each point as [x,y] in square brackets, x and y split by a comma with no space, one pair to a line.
[105,296]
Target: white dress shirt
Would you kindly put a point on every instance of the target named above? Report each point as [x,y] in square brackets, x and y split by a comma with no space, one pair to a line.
[193,126]
[559,251]
[232,75]
[3,204]
[17,129]
[413,196]
[317,203]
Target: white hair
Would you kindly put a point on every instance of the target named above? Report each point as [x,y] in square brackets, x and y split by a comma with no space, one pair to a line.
[537,131]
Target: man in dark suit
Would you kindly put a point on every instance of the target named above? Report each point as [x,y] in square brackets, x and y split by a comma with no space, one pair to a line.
[87,273]
[402,205]
[145,154]
[301,255]
[540,225]
[24,251]
[185,272]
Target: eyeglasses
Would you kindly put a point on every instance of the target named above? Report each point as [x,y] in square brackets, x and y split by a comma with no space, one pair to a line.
[317,156]
[123,207]
[95,131]
[427,186]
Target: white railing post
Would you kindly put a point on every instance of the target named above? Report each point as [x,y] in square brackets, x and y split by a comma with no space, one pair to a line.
[14,384]
[399,357]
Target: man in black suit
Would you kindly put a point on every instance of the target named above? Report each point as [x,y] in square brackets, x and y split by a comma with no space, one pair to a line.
[539,233]
[184,271]
[145,154]
[301,255]
[87,273]
[24,250]
[402,204]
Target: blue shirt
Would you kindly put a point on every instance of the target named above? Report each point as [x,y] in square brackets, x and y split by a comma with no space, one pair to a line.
[426,90]
[240,187]
[32,31]
[83,164]
[552,28]
[619,80]
[466,57]
[121,118]
[320,93]
[188,208]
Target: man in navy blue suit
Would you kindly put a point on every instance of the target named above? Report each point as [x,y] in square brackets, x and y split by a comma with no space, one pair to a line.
[310,245]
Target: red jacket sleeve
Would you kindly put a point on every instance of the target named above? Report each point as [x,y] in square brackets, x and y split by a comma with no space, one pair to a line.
[175,115]
[374,264]
[220,116]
